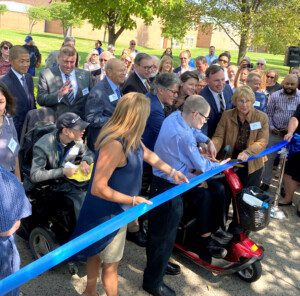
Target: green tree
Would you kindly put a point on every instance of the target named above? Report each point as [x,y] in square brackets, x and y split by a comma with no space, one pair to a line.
[68,18]
[37,13]
[177,19]
[236,18]
[119,15]
[3,9]
[280,28]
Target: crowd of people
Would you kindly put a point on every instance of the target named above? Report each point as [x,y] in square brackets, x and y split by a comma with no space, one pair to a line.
[136,126]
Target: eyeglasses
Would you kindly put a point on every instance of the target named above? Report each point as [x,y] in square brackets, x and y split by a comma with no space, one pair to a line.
[132,44]
[103,60]
[95,54]
[6,47]
[260,64]
[223,61]
[175,92]
[271,77]
[147,68]
[205,117]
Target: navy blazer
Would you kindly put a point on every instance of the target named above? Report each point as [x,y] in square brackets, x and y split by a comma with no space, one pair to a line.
[154,122]
[98,109]
[214,115]
[134,83]
[23,104]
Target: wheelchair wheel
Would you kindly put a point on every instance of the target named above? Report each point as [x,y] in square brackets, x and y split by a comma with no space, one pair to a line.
[251,273]
[41,242]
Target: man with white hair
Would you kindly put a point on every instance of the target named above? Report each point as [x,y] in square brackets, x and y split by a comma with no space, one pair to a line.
[261,64]
[104,57]
[155,65]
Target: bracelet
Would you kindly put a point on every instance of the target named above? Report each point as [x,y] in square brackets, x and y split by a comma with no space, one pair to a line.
[133,200]
[172,172]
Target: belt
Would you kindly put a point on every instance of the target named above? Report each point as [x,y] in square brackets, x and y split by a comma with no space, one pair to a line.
[279,132]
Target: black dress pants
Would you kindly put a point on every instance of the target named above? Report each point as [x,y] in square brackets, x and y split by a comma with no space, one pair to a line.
[162,229]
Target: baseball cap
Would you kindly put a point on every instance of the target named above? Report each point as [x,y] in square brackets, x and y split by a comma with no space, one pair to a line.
[71,120]
[28,38]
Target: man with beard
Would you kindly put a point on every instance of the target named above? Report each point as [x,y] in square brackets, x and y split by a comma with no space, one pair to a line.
[281,107]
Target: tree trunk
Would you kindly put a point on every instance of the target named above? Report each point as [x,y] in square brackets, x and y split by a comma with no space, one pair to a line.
[31,26]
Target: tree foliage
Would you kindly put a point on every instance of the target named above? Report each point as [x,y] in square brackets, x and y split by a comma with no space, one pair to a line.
[3,8]
[177,19]
[119,15]
[280,28]
[266,23]
[37,13]
[63,12]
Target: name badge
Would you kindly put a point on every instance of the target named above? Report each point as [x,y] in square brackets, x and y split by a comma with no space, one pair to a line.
[74,151]
[291,107]
[113,97]
[255,125]
[256,104]
[85,91]
[12,145]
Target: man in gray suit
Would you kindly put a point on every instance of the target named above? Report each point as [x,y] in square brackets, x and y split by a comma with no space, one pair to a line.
[64,88]
[103,99]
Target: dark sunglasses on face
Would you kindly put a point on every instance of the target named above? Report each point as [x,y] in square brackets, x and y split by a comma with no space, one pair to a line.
[260,64]
[103,60]
[271,77]
[132,44]
[223,61]
[6,47]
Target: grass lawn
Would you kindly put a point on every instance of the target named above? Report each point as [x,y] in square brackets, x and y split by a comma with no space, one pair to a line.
[47,42]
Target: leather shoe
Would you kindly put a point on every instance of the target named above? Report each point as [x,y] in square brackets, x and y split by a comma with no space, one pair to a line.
[139,238]
[264,187]
[162,290]
[173,269]
[222,237]
[215,250]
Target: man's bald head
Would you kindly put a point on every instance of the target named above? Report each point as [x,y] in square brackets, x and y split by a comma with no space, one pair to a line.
[116,71]
[290,84]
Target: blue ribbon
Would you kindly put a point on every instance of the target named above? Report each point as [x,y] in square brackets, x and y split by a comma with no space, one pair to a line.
[69,249]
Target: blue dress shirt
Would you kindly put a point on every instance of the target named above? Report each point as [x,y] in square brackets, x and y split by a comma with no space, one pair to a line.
[177,145]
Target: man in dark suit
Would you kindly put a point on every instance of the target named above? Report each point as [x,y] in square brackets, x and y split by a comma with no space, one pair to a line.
[218,94]
[103,99]
[164,93]
[64,88]
[138,80]
[20,84]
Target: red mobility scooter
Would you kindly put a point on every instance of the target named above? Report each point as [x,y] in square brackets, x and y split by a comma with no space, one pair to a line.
[243,255]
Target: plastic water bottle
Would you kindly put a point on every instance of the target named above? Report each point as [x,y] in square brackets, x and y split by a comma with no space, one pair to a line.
[252,200]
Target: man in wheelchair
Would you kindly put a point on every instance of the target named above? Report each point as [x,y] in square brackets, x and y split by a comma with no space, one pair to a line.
[60,154]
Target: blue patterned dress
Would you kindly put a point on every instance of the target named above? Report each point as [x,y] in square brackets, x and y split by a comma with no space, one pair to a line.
[14,206]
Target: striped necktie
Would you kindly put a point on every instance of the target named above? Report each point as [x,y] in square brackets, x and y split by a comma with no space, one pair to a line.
[118,92]
[147,84]
[222,104]
[70,94]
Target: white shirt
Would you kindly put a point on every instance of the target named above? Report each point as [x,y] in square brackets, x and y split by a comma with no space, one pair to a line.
[217,99]
[19,76]
[72,79]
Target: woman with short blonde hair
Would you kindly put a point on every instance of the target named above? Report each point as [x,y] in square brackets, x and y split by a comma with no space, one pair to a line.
[115,185]
[246,130]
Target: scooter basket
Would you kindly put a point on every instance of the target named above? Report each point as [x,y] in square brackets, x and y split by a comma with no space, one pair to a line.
[254,218]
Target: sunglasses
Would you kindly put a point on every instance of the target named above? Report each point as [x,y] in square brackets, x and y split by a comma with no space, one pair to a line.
[271,77]
[6,47]
[260,64]
[223,61]
[132,44]
[103,60]
[94,54]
